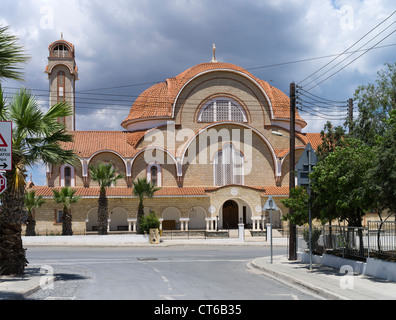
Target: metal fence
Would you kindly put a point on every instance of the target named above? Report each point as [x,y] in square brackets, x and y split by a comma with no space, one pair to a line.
[381,240]
[377,240]
[345,241]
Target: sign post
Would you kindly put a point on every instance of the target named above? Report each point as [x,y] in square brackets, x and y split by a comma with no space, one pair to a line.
[270,205]
[304,168]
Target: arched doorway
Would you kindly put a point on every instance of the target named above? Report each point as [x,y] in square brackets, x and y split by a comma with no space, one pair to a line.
[230,214]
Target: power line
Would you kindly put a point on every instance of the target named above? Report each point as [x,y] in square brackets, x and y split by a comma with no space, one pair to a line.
[347,57]
[352,60]
[349,47]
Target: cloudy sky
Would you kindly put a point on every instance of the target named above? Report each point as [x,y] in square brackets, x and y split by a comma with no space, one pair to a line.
[124,46]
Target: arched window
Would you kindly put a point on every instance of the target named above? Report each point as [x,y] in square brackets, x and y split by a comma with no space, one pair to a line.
[61,51]
[228,166]
[154,174]
[222,109]
[61,91]
[61,86]
[67,176]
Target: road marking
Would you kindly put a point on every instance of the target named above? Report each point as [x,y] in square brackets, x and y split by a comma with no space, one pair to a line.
[170,297]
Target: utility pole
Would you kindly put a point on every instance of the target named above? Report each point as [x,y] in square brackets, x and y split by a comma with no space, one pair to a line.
[350,113]
[292,183]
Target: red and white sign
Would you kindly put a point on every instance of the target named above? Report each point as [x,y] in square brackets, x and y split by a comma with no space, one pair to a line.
[3,183]
[6,145]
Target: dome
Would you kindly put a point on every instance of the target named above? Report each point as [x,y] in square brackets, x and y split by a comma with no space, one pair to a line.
[157,101]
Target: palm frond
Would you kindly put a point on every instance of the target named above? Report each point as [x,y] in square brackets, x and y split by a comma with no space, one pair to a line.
[11,55]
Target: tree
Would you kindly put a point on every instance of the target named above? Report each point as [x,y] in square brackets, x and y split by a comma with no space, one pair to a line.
[382,174]
[67,197]
[340,183]
[340,179]
[375,102]
[31,202]
[36,137]
[11,54]
[298,201]
[106,176]
[142,189]
[331,138]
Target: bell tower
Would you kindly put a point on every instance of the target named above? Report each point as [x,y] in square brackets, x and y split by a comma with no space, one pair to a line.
[62,75]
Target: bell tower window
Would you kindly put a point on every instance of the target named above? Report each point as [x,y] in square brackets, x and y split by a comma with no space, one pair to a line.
[61,51]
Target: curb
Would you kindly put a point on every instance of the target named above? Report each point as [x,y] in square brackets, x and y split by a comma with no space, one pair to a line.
[314,290]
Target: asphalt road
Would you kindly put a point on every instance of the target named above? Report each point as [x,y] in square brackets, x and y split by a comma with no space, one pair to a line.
[166,273]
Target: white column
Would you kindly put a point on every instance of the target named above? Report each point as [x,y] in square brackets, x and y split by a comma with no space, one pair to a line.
[184,224]
[160,220]
[131,221]
[209,224]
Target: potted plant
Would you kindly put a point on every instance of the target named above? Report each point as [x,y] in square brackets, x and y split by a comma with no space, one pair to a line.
[150,224]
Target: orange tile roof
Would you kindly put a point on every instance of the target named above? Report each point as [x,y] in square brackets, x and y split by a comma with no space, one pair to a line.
[313,138]
[163,192]
[122,191]
[275,191]
[86,143]
[157,100]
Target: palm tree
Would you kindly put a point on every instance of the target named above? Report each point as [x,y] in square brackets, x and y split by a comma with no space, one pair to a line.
[11,54]
[106,176]
[31,202]
[67,197]
[142,189]
[36,137]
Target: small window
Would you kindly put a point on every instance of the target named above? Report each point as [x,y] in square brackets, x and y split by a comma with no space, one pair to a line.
[154,174]
[222,110]
[67,177]
[58,216]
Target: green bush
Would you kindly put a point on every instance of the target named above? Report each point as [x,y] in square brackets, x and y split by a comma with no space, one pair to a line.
[314,237]
[150,221]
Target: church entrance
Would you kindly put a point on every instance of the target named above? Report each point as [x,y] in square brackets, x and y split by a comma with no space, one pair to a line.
[230,215]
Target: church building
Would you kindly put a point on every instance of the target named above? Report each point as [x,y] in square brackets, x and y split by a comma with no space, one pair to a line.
[214,138]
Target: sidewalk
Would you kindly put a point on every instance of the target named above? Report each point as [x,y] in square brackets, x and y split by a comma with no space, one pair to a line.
[142,240]
[324,282]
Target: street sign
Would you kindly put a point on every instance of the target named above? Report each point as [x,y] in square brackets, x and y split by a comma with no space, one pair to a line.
[304,165]
[3,183]
[6,145]
[270,204]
